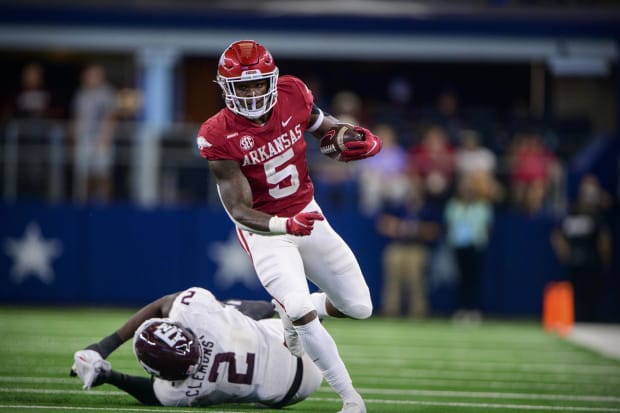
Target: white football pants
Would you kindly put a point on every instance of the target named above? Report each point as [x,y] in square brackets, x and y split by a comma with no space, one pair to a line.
[283,262]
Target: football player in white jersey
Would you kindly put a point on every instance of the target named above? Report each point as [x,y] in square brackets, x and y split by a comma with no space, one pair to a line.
[202,352]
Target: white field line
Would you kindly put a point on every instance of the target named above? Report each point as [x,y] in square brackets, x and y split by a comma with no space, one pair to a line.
[421,382]
[494,384]
[416,374]
[368,401]
[477,365]
[480,405]
[411,381]
[510,338]
[38,380]
[58,391]
[60,346]
[466,374]
[490,395]
[452,349]
[106,409]
[429,393]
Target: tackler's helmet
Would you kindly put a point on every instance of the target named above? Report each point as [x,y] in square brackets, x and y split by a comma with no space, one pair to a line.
[242,61]
[166,349]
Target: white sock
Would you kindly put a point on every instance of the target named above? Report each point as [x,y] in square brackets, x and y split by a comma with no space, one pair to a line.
[322,350]
[318,300]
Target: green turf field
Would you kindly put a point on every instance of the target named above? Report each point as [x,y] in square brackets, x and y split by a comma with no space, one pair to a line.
[398,366]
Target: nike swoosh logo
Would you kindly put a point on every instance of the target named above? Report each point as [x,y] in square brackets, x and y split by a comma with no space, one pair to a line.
[285,122]
[374,145]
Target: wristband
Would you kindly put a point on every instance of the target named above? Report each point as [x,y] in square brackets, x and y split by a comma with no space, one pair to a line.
[317,122]
[277,225]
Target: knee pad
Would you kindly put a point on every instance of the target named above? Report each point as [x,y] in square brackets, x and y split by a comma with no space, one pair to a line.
[297,305]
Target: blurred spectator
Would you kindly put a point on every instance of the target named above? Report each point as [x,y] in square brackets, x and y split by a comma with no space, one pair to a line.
[449,113]
[347,106]
[335,182]
[534,171]
[468,221]
[397,109]
[472,157]
[534,202]
[411,226]
[129,103]
[582,242]
[431,163]
[93,133]
[34,133]
[478,162]
[382,178]
[33,100]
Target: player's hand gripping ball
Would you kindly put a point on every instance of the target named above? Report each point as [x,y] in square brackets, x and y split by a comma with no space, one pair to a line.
[333,143]
[346,143]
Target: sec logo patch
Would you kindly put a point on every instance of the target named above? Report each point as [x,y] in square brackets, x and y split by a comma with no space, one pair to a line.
[246,142]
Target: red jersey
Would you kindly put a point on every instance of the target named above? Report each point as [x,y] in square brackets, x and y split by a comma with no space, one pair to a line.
[272,156]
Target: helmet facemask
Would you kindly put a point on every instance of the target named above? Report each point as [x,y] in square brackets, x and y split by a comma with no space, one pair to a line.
[251,107]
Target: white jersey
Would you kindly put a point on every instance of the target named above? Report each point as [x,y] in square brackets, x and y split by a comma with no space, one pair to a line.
[243,360]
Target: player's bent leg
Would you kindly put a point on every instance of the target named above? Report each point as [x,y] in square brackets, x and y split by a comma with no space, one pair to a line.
[325,307]
[297,305]
[332,266]
[357,310]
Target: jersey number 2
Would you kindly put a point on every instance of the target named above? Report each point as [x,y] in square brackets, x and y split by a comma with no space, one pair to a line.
[233,376]
[275,177]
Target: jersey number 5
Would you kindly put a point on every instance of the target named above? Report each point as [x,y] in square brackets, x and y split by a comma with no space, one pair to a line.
[233,376]
[275,177]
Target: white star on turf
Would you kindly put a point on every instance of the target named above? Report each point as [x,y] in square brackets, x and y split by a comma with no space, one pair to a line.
[233,264]
[32,255]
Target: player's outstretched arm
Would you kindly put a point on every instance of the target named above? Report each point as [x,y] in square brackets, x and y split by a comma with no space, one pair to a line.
[255,309]
[158,308]
[84,360]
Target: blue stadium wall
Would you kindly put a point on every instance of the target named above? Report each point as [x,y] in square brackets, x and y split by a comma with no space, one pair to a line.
[123,255]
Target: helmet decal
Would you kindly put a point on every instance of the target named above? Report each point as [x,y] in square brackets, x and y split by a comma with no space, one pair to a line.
[166,349]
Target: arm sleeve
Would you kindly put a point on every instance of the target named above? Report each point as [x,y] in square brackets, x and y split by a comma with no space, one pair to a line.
[255,309]
[107,345]
[140,388]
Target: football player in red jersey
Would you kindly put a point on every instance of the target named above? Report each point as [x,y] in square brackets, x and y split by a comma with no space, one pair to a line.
[257,153]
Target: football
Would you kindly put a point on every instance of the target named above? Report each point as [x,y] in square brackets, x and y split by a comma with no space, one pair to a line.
[332,143]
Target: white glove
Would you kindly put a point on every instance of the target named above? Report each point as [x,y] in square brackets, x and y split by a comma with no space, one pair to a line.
[88,364]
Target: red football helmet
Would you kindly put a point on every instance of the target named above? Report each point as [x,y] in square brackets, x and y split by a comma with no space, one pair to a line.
[246,60]
[166,349]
